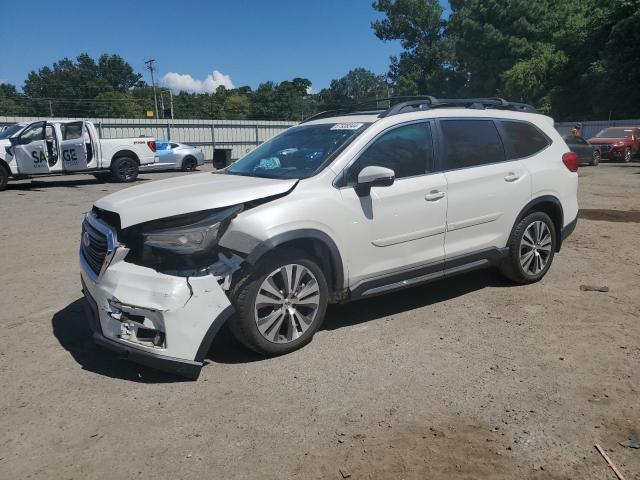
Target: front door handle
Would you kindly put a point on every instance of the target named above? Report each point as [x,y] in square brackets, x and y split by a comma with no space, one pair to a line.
[433,196]
[511,177]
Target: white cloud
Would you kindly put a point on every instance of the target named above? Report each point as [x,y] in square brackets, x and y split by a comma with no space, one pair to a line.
[186,83]
[311,91]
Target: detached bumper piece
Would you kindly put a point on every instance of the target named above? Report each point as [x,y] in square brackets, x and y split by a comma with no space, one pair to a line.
[161,321]
[176,366]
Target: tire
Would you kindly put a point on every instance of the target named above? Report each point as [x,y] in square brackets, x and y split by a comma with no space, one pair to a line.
[595,159]
[124,169]
[189,164]
[4,178]
[284,331]
[517,266]
[627,155]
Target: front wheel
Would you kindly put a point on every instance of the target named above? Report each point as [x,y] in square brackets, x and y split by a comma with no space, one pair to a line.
[627,155]
[532,245]
[595,160]
[124,169]
[280,303]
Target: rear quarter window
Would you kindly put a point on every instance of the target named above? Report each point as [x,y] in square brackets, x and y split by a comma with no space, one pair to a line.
[524,139]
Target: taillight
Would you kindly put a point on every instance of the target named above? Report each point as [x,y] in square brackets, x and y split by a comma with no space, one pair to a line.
[152,145]
[571,161]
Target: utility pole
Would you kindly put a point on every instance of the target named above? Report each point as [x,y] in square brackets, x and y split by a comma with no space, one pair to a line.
[162,102]
[171,100]
[151,67]
[50,108]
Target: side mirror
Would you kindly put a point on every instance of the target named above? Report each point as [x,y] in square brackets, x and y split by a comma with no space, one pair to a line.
[374,176]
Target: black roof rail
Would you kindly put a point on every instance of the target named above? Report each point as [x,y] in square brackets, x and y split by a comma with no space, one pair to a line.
[356,110]
[425,102]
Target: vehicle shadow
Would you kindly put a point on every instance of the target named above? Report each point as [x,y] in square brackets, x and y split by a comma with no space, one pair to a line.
[35,185]
[72,331]
[226,349]
[366,310]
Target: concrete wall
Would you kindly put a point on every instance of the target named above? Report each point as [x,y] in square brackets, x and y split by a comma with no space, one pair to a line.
[239,136]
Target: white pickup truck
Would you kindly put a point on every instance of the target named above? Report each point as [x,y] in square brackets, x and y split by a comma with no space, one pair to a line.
[70,147]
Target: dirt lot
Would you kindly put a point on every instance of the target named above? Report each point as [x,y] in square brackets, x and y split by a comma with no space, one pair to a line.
[466,378]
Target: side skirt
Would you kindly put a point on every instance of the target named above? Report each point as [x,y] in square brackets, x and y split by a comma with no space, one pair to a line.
[430,272]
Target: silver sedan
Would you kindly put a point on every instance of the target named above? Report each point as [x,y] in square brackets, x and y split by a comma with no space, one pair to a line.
[173,155]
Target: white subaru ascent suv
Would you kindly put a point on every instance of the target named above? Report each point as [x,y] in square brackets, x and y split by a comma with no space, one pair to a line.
[344,206]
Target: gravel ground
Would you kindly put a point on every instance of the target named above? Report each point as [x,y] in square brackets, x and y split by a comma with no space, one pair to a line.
[465,378]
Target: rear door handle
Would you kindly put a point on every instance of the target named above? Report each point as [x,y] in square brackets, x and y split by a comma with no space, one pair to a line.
[511,177]
[433,196]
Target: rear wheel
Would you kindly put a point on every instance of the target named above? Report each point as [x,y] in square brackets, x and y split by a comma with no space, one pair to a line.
[280,303]
[595,160]
[627,155]
[189,164]
[124,169]
[532,245]
[4,178]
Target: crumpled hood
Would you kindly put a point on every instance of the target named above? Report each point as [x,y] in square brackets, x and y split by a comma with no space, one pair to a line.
[190,193]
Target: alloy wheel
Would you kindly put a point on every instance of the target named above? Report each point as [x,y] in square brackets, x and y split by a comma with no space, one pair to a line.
[535,248]
[126,169]
[191,164]
[287,303]
[596,158]
[627,155]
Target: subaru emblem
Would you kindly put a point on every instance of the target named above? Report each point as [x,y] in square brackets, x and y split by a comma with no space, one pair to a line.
[86,239]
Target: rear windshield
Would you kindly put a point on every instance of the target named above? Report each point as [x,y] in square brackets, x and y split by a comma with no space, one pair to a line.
[615,133]
[299,152]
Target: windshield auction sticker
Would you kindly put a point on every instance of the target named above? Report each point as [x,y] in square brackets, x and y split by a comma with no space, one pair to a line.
[347,126]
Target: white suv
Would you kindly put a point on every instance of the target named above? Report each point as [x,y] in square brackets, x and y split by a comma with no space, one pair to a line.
[341,207]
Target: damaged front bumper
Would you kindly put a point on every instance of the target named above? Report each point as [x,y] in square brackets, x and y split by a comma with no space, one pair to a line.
[162,321]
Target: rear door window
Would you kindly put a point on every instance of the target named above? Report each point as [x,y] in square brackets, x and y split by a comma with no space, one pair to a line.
[525,139]
[71,131]
[470,143]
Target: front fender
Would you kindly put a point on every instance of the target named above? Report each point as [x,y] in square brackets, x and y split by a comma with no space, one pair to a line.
[269,244]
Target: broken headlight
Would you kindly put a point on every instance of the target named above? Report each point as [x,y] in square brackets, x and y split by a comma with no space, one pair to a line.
[193,234]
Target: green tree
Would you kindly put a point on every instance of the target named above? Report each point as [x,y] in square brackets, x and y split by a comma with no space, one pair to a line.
[358,85]
[72,85]
[237,106]
[571,58]
[9,100]
[427,65]
[288,100]
[117,105]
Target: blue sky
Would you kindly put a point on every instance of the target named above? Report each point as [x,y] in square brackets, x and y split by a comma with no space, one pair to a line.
[246,42]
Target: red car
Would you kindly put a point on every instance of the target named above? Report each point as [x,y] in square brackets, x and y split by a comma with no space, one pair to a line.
[618,143]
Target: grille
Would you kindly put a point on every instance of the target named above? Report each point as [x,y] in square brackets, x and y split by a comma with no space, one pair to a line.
[605,148]
[94,247]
